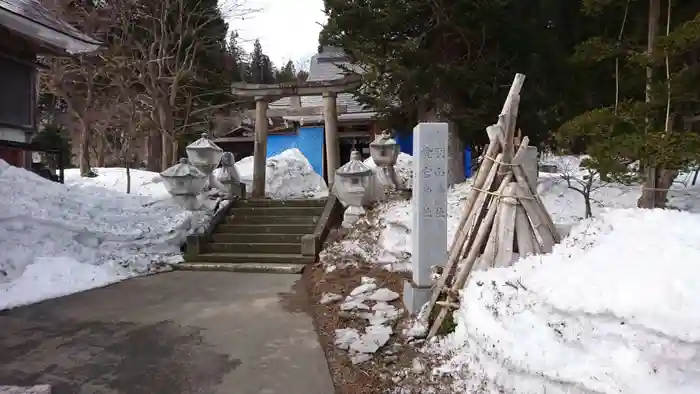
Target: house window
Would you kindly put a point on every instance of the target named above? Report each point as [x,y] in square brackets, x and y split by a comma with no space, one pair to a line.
[17,93]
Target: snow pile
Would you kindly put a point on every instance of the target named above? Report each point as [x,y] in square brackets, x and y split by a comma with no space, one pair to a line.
[567,205]
[614,309]
[288,175]
[380,316]
[58,240]
[403,168]
[143,183]
[395,220]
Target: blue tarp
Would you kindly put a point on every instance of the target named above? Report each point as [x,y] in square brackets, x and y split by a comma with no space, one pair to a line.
[405,141]
[309,140]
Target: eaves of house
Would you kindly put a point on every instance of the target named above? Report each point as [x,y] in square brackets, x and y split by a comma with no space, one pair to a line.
[329,65]
[31,19]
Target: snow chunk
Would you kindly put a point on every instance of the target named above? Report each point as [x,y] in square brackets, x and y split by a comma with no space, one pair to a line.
[363,289]
[327,298]
[288,175]
[384,295]
[344,337]
[374,338]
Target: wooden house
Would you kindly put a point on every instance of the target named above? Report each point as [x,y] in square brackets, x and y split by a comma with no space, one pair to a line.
[28,30]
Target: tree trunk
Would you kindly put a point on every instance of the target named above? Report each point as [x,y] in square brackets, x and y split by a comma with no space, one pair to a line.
[175,151]
[663,183]
[128,177]
[166,152]
[101,151]
[84,154]
[167,130]
[649,191]
[153,152]
[587,203]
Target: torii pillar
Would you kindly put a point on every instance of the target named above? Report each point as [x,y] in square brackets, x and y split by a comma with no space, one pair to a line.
[260,147]
[330,120]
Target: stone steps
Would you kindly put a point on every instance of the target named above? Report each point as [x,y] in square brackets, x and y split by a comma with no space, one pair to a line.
[266,258]
[259,236]
[271,220]
[265,247]
[237,228]
[264,202]
[256,238]
[276,211]
[242,267]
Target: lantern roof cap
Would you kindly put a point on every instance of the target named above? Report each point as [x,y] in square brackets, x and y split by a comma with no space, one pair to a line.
[183,169]
[354,167]
[204,143]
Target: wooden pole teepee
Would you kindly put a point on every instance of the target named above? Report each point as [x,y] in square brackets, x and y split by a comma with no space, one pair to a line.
[503,216]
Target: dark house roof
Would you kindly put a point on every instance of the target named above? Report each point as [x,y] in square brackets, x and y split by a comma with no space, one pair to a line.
[331,64]
[31,19]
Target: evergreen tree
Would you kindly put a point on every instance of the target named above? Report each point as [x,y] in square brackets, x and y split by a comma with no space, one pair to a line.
[261,69]
[287,73]
[656,81]
[458,57]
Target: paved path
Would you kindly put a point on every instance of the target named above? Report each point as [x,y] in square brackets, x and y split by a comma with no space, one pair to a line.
[174,333]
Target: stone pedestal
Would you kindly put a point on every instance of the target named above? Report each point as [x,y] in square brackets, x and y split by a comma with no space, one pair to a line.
[414,296]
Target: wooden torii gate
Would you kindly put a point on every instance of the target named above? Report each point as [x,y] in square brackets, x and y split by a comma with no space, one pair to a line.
[263,94]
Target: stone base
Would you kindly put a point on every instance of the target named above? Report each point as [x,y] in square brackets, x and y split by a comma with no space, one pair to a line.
[43,389]
[414,296]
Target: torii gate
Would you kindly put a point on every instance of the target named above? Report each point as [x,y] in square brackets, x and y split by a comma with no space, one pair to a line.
[263,94]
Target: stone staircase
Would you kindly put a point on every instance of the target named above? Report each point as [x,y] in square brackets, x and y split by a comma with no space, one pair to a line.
[261,235]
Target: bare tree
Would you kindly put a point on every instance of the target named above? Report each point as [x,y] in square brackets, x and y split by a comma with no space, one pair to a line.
[168,37]
[585,180]
[76,79]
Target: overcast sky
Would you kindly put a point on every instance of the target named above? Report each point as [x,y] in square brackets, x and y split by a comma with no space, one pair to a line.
[287,29]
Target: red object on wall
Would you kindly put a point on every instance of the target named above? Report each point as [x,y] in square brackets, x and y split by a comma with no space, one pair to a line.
[12,156]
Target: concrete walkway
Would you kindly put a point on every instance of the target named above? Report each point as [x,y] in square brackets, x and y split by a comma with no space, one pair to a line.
[174,333]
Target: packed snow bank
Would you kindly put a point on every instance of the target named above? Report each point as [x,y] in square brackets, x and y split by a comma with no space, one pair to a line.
[143,183]
[57,239]
[288,175]
[564,204]
[395,220]
[567,205]
[614,309]
[403,168]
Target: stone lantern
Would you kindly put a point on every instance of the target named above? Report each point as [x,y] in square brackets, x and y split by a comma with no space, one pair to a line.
[351,185]
[204,154]
[385,152]
[227,176]
[184,182]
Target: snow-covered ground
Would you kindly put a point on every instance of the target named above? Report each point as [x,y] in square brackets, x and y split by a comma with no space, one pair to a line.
[392,221]
[614,309]
[289,175]
[143,183]
[60,239]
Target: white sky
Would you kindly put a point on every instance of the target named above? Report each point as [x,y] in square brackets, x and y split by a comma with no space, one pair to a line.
[287,29]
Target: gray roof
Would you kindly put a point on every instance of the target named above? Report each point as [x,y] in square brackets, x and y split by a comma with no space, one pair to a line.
[30,18]
[328,65]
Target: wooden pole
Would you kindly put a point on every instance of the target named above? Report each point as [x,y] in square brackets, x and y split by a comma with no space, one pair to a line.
[330,113]
[260,148]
